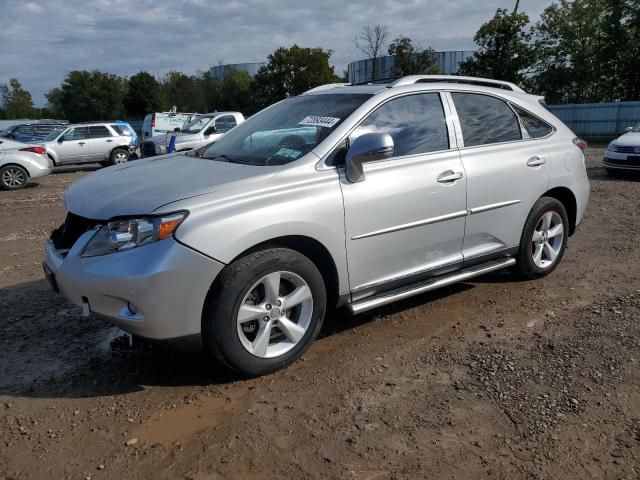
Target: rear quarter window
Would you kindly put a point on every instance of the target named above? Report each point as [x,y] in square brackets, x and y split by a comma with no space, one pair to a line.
[536,127]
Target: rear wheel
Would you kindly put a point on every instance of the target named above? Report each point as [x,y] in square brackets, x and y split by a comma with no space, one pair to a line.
[119,156]
[264,311]
[544,238]
[13,177]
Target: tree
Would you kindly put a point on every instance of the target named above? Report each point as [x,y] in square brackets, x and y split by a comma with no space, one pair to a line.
[184,91]
[236,90]
[371,42]
[504,48]
[410,60]
[291,71]
[86,96]
[629,52]
[143,95]
[16,102]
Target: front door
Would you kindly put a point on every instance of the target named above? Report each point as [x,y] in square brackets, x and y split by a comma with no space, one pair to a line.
[73,146]
[100,143]
[406,220]
[507,171]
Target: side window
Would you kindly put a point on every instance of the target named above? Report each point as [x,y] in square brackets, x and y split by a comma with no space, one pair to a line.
[416,123]
[485,120]
[26,130]
[99,132]
[77,133]
[536,127]
[226,123]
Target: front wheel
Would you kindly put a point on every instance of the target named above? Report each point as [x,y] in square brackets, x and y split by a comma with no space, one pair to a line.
[13,177]
[264,311]
[544,238]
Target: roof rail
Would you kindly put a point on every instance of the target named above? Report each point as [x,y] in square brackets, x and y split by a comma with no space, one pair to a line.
[327,87]
[485,82]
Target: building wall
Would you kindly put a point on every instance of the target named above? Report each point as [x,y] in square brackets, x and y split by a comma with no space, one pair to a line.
[219,71]
[362,70]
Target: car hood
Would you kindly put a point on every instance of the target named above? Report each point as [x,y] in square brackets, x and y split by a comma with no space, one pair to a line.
[142,186]
[630,139]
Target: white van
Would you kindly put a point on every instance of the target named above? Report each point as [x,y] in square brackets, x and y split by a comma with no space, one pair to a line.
[163,122]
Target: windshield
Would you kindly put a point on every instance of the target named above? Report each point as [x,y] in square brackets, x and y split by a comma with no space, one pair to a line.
[195,125]
[286,131]
[53,134]
[636,128]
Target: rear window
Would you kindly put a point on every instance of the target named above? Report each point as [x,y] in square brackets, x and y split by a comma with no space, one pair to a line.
[485,120]
[118,129]
[536,127]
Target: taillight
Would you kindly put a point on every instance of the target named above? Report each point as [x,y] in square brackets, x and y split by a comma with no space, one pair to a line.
[38,150]
[153,120]
[580,143]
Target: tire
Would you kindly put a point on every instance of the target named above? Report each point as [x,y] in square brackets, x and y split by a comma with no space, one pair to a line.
[248,283]
[119,156]
[13,177]
[540,255]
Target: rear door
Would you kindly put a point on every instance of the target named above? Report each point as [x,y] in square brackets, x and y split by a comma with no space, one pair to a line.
[101,142]
[72,146]
[507,171]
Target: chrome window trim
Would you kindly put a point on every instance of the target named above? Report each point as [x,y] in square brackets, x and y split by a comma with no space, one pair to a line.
[322,165]
[548,135]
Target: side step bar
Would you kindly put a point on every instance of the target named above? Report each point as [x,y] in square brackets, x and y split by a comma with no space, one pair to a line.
[433,284]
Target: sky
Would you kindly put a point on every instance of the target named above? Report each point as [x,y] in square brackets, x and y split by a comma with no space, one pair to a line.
[42,40]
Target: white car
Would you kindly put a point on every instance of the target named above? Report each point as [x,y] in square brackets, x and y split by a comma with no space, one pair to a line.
[624,152]
[18,166]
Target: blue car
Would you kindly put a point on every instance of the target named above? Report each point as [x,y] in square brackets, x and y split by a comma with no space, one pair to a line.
[30,132]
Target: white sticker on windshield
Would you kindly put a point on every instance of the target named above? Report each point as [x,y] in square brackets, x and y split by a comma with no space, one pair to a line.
[316,121]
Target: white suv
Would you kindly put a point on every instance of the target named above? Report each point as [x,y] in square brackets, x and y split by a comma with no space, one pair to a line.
[105,143]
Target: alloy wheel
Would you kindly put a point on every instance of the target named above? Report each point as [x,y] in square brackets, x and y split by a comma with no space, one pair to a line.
[13,177]
[275,314]
[547,239]
[121,157]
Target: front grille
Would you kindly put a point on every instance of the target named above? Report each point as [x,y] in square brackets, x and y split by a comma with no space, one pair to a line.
[620,149]
[148,149]
[629,162]
[73,227]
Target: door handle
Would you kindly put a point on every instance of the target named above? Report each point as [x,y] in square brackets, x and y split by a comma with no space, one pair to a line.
[536,161]
[80,143]
[449,176]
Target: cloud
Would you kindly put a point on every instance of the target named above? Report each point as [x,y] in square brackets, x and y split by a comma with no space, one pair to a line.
[41,42]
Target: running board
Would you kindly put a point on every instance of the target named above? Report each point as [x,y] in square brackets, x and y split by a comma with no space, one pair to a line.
[433,284]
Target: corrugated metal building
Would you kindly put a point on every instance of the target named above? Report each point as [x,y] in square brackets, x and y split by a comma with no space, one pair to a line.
[251,68]
[362,70]
[598,119]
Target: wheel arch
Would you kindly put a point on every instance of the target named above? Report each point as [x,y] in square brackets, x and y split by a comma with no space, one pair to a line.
[14,164]
[314,251]
[565,196]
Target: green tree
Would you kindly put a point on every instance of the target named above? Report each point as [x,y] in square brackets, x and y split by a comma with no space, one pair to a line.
[86,96]
[504,51]
[410,60]
[143,95]
[185,92]
[629,52]
[291,71]
[236,90]
[16,102]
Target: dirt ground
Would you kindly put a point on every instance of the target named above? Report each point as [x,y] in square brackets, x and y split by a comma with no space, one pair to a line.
[494,378]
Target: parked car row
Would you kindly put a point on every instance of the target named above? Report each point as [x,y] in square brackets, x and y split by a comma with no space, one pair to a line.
[29,132]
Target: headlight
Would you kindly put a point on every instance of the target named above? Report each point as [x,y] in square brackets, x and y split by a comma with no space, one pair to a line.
[130,233]
[612,147]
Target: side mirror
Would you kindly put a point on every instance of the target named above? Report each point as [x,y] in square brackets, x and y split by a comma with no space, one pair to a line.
[211,130]
[628,129]
[61,139]
[176,130]
[367,148]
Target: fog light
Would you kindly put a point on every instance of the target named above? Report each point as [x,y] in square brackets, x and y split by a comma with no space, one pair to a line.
[132,308]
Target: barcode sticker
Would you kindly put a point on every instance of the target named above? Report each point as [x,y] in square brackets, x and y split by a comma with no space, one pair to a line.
[316,121]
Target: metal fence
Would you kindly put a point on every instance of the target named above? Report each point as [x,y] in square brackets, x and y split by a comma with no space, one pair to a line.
[598,119]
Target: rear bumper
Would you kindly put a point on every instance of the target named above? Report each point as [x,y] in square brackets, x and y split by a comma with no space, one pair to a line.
[165,282]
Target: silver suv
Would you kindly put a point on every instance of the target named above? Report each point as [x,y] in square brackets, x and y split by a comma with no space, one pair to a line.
[353,196]
[105,143]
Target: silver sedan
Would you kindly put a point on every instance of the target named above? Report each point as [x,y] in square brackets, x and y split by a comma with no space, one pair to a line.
[20,165]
